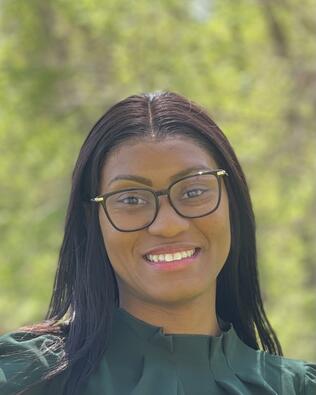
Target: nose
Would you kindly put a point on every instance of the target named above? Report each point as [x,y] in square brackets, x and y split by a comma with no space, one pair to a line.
[168,222]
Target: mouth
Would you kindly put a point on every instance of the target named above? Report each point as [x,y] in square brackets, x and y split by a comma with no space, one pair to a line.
[172,261]
[171,257]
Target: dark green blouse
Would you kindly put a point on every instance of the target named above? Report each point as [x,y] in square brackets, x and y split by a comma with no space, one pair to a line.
[142,360]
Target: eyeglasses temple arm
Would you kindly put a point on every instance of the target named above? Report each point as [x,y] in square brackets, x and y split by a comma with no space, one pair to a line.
[97,199]
[222,173]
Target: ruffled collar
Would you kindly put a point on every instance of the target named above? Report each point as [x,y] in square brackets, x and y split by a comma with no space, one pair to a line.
[179,345]
[153,333]
[226,357]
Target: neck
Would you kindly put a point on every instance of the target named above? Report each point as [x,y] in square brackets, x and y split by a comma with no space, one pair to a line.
[197,316]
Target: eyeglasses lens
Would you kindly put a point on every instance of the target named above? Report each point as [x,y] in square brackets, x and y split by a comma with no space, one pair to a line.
[133,209]
[195,196]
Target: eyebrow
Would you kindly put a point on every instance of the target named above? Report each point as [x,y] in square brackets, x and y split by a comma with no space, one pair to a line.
[148,182]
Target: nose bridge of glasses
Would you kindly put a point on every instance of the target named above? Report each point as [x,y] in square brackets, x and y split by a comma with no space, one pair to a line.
[166,193]
[162,192]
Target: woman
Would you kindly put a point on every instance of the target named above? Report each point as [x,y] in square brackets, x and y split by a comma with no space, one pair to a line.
[157,273]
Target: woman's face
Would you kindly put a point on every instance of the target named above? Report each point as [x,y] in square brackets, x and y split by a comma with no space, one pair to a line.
[140,280]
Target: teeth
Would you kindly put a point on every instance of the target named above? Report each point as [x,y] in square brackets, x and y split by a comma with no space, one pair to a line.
[170,257]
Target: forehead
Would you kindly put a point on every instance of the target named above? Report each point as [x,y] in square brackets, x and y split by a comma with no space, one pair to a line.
[157,160]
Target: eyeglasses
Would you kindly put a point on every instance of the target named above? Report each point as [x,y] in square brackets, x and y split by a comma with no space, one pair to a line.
[192,196]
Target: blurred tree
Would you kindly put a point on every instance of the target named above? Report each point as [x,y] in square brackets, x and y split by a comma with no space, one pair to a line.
[251,63]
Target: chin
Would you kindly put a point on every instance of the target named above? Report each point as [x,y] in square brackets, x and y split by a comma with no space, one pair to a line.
[175,296]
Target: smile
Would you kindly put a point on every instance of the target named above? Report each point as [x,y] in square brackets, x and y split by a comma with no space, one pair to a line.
[170,257]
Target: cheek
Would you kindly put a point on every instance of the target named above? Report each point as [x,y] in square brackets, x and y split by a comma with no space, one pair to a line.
[223,232]
[111,240]
[216,229]
[224,236]
[224,240]
[118,246]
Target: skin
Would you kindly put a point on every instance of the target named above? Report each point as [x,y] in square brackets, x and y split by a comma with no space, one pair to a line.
[181,301]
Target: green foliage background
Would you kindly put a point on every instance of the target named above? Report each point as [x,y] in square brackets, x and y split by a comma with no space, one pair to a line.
[251,63]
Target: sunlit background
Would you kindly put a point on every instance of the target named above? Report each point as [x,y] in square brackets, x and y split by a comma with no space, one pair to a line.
[251,64]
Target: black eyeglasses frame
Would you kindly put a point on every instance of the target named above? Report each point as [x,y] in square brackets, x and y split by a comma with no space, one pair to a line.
[163,192]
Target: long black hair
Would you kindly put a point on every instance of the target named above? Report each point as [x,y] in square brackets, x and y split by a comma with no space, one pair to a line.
[85,289]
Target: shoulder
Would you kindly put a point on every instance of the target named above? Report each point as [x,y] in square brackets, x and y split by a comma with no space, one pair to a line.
[294,374]
[25,358]
[273,372]
[310,378]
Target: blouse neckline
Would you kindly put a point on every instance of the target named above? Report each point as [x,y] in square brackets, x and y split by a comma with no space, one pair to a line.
[148,329]
[179,344]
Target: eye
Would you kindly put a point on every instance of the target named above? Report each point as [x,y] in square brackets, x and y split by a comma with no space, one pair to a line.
[132,200]
[194,193]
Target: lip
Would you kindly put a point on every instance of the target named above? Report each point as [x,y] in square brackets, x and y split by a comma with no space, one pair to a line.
[175,265]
